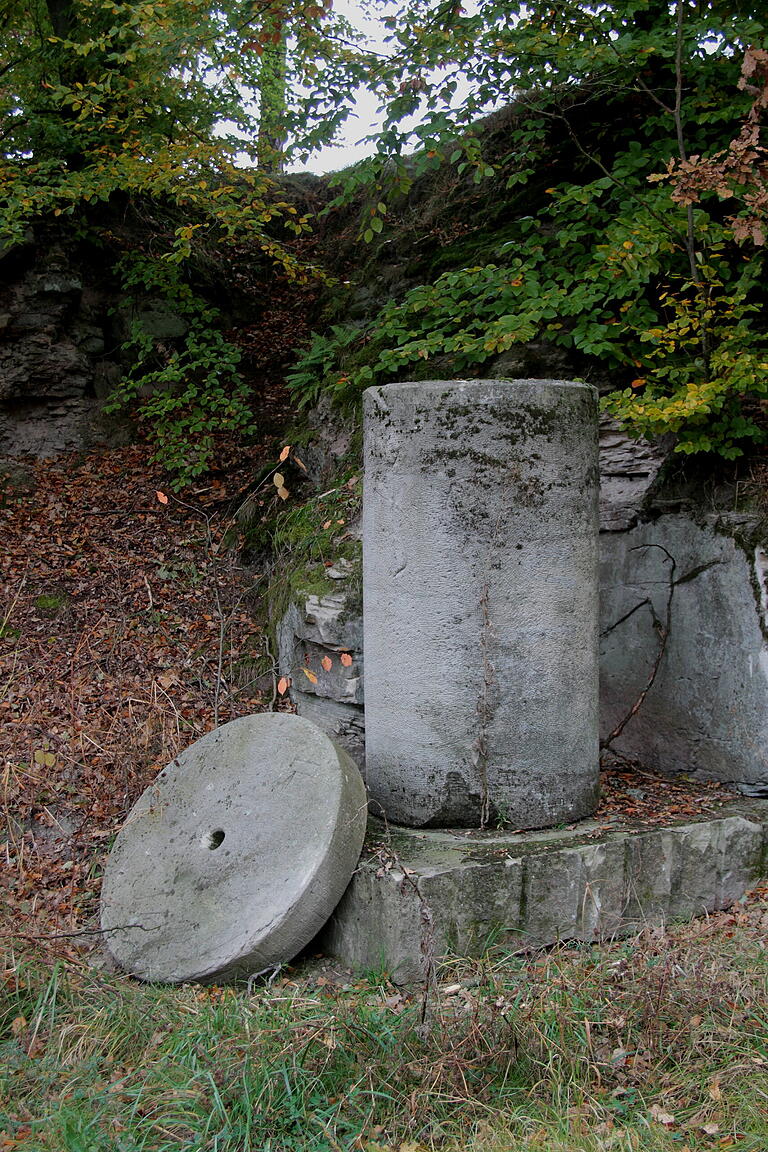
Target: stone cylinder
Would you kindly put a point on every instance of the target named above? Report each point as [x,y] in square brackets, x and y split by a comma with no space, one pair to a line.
[480,602]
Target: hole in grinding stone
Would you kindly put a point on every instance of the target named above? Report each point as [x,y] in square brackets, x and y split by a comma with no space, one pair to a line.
[214,839]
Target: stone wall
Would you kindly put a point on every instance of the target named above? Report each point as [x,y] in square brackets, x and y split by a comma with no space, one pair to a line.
[706,713]
[58,350]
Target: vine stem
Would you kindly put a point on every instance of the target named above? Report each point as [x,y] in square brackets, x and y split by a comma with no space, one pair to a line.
[664,628]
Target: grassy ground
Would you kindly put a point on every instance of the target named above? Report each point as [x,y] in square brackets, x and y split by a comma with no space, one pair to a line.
[657,1043]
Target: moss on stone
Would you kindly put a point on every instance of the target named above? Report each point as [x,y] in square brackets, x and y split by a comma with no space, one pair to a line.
[306,539]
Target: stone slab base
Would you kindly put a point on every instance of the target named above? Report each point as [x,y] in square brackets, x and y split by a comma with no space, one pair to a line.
[425,894]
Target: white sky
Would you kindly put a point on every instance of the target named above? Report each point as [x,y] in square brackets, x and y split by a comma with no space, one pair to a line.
[364,120]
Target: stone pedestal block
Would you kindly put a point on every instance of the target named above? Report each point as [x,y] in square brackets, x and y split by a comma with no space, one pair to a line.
[480,602]
[422,895]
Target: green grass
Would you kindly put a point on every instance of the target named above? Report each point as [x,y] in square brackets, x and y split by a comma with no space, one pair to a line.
[659,1043]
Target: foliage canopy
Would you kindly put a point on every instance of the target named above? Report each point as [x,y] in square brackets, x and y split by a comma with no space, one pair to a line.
[633,179]
[634,182]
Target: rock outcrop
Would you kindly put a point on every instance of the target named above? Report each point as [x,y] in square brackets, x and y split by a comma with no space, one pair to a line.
[58,351]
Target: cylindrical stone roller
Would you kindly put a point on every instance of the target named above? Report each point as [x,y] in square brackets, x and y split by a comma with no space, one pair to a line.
[480,602]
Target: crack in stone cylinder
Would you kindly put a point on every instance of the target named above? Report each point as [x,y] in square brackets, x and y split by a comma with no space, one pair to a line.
[480,602]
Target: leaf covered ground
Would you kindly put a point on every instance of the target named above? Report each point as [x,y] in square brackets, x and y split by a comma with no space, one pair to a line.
[128,631]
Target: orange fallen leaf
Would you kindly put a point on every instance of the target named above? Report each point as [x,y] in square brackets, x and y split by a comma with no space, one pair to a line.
[284,453]
[162,497]
[283,685]
[327,663]
[346,659]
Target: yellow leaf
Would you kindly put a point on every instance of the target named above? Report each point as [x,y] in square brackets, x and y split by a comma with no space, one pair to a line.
[278,480]
[310,675]
[283,493]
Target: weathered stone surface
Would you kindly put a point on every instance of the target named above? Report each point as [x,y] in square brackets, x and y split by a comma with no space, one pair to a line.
[237,854]
[480,601]
[707,712]
[323,628]
[425,894]
[628,469]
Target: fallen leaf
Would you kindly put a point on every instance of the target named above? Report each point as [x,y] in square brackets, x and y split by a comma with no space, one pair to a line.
[346,659]
[162,497]
[714,1089]
[278,480]
[300,462]
[283,493]
[284,453]
[327,663]
[660,1116]
[283,685]
[310,675]
[18,1025]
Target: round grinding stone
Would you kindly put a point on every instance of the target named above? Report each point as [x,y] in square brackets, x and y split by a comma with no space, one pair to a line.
[237,854]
